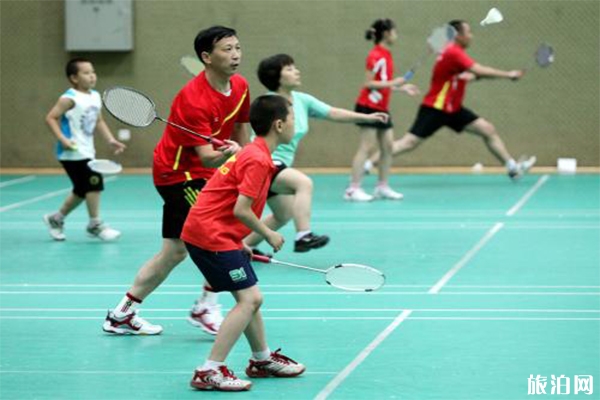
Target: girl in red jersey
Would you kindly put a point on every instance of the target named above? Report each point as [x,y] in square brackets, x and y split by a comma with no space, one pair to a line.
[375,97]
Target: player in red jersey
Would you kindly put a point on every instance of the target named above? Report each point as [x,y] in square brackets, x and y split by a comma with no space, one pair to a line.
[375,97]
[227,210]
[215,103]
[442,105]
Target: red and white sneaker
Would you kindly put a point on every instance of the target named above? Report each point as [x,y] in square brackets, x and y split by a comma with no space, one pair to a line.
[219,379]
[130,324]
[206,317]
[277,365]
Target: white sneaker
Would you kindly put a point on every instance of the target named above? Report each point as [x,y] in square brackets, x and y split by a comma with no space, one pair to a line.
[130,324]
[55,228]
[218,379]
[386,192]
[207,317]
[103,232]
[357,194]
[525,163]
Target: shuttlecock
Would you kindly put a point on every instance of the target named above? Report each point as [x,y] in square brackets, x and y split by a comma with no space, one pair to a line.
[477,168]
[493,17]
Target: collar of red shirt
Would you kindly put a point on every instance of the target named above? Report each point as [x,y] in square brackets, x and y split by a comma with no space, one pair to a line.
[262,144]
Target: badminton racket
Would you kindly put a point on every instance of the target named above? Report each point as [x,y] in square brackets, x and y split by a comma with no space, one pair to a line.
[544,56]
[191,64]
[351,277]
[134,108]
[105,167]
[437,41]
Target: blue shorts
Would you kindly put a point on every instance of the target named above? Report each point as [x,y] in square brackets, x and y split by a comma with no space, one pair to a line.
[224,270]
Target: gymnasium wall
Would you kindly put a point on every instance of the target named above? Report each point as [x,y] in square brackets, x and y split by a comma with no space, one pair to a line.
[552,113]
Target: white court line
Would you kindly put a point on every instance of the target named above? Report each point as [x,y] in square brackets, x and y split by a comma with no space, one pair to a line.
[527,196]
[352,310]
[17,181]
[361,356]
[466,258]
[339,378]
[113,372]
[43,197]
[83,285]
[319,293]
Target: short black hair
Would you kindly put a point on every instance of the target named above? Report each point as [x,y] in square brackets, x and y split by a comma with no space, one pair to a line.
[72,67]
[269,70]
[206,39]
[457,24]
[267,109]
[378,28]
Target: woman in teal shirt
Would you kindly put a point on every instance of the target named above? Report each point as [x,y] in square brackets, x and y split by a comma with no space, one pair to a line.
[290,194]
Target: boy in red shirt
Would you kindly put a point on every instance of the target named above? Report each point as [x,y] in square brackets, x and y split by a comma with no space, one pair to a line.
[227,210]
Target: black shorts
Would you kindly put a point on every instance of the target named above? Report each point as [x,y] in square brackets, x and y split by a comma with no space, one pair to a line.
[224,270]
[279,166]
[429,120]
[377,125]
[83,178]
[178,199]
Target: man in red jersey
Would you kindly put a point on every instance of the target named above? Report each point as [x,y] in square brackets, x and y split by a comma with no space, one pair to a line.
[227,210]
[215,103]
[442,105]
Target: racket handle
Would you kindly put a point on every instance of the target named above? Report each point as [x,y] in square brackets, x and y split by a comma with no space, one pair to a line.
[262,259]
[217,142]
[409,75]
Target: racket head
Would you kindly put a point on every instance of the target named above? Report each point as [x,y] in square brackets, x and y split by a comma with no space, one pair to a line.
[544,55]
[191,64]
[129,106]
[105,167]
[440,37]
[355,277]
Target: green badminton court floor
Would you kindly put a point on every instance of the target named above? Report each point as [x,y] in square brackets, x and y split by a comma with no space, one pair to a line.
[489,283]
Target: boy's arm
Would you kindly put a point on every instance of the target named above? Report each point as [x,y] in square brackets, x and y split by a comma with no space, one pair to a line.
[105,132]
[243,211]
[343,115]
[63,105]
[489,72]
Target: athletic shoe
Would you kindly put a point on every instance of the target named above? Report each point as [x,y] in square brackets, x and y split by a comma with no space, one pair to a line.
[207,317]
[277,365]
[386,192]
[357,194]
[103,232]
[257,252]
[218,379]
[525,163]
[310,241]
[130,324]
[55,227]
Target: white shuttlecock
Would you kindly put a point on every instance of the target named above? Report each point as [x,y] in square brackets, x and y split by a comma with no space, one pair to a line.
[477,168]
[493,17]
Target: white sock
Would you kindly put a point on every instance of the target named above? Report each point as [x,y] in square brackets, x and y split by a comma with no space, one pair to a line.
[261,355]
[208,297]
[94,221]
[382,184]
[511,164]
[301,234]
[210,364]
[368,165]
[58,216]
[127,305]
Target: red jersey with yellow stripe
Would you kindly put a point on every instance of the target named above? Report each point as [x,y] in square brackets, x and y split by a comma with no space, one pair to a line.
[447,91]
[211,223]
[204,110]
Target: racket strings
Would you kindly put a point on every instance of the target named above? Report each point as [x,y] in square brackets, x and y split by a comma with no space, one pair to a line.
[440,37]
[129,106]
[355,277]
